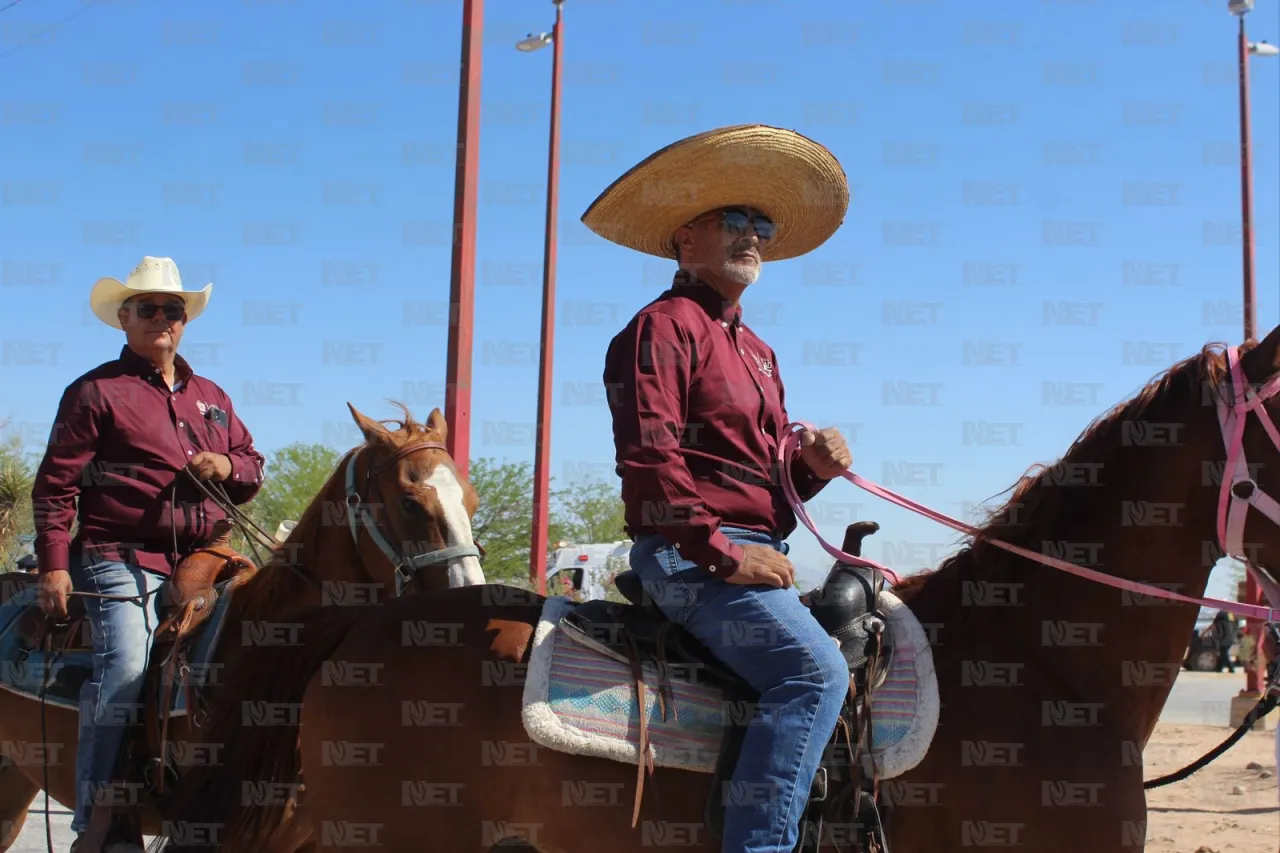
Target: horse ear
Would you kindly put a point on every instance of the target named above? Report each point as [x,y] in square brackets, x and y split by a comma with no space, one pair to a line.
[437,424]
[1263,361]
[374,432]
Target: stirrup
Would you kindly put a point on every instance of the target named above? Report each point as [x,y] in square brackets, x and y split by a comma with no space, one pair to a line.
[818,790]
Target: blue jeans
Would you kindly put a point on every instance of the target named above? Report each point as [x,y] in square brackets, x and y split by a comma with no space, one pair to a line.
[121,632]
[771,640]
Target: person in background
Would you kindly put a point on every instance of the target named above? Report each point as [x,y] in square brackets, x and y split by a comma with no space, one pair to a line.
[128,437]
[1224,631]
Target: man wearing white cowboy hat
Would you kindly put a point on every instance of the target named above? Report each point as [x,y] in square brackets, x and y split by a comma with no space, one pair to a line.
[124,433]
[698,414]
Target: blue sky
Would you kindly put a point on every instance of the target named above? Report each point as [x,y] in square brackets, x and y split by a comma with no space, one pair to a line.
[1006,160]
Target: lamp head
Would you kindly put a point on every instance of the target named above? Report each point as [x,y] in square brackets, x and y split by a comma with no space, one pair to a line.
[532,42]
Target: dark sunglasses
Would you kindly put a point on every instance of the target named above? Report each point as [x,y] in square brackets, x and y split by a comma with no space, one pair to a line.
[173,311]
[735,221]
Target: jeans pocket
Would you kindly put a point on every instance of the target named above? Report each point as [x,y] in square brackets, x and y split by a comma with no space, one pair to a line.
[663,574]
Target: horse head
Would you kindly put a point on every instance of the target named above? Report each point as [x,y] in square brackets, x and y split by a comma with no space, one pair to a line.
[408,507]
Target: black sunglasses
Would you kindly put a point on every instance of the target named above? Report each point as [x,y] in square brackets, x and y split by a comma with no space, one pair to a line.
[173,311]
[736,220]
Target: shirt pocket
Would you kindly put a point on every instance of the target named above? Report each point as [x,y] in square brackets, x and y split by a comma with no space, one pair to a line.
[217,436]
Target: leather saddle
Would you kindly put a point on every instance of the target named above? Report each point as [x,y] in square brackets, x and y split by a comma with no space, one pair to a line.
[638,633]
[187,597]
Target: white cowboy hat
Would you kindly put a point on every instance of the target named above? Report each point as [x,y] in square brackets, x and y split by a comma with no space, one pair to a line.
[793,180]
[153,275]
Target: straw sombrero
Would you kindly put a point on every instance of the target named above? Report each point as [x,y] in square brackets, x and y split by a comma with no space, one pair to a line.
[798,183]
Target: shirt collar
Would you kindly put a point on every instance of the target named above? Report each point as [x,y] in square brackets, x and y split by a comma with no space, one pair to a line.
[719,308]
[141,367]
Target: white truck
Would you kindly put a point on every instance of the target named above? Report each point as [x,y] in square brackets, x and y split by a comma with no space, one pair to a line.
[586,571]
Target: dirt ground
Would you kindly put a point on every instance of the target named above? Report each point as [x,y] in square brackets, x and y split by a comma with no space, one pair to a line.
[1231,806]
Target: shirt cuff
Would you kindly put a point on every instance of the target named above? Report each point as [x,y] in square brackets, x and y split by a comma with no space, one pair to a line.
[719,556]
[55,556]
[239,467]
[807,483]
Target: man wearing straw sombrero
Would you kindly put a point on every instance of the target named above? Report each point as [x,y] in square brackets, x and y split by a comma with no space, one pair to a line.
[698,414]
[127,438]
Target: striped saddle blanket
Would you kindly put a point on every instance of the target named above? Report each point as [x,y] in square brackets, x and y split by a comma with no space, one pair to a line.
[579,701]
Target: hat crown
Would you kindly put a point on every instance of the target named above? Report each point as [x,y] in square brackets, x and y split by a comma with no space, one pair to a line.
[155,274]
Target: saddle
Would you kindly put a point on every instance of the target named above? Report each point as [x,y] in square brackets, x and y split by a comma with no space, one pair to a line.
[639,633]
[187,598]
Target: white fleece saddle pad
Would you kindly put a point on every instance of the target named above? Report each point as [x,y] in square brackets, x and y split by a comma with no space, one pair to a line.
[580,701]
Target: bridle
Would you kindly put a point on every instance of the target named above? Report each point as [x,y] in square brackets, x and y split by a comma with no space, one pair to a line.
[1239,490]
[1238,493]
[359,516]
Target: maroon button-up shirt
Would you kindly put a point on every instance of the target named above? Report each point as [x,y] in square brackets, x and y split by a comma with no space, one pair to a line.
[114,463]
[698,414]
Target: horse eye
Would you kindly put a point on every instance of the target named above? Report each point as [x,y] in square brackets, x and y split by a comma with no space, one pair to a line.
[408,504]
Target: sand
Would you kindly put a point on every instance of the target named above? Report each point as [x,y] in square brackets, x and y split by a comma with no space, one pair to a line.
[1231,806]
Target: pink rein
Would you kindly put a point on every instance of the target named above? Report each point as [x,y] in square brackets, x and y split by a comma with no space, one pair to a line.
[790,449]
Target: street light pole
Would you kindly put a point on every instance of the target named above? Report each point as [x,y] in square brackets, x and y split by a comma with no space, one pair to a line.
[542,452]
[462,277]
[1246,188]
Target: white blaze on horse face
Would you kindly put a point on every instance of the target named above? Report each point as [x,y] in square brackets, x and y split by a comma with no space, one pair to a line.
[463,571]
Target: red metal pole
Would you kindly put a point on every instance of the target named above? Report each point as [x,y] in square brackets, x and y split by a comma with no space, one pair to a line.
[457,394]
[542,454]
[1253,595]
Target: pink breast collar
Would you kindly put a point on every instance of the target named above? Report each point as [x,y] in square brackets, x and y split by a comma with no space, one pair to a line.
[1239,492]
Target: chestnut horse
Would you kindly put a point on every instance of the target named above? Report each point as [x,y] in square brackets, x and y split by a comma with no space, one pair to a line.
[1050,685]
[412,495]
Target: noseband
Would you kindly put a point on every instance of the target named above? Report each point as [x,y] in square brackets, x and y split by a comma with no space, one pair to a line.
[359,516]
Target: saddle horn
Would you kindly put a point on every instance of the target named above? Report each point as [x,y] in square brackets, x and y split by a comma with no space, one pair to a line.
[855,533]
[847,607]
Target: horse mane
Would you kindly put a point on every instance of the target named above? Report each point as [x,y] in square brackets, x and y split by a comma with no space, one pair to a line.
[1037,499]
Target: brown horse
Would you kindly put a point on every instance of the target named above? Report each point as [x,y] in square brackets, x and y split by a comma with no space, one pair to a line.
[411,494]
[1050,685]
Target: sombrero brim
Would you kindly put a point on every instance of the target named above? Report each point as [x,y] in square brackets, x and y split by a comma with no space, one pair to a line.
[797,182]
[109,294]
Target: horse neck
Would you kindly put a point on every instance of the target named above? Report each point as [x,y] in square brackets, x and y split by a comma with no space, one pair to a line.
[1013,609]
[312,567]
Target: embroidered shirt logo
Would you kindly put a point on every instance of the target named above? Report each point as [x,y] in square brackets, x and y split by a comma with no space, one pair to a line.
[202,406]
[763,365]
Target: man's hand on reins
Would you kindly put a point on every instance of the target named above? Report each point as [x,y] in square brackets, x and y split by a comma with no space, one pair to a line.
[825,452]
[52,592]
[763,565]
[211,466]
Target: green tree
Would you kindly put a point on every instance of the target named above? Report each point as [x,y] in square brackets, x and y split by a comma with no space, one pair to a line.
[585,511]
[591,511]
[293,478]
[504,517]
[17,473]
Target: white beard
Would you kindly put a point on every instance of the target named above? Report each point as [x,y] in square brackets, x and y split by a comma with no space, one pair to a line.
[744,273]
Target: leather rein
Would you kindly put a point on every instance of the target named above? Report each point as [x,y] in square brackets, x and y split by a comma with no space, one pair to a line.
[1236,399]
[1239,492]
